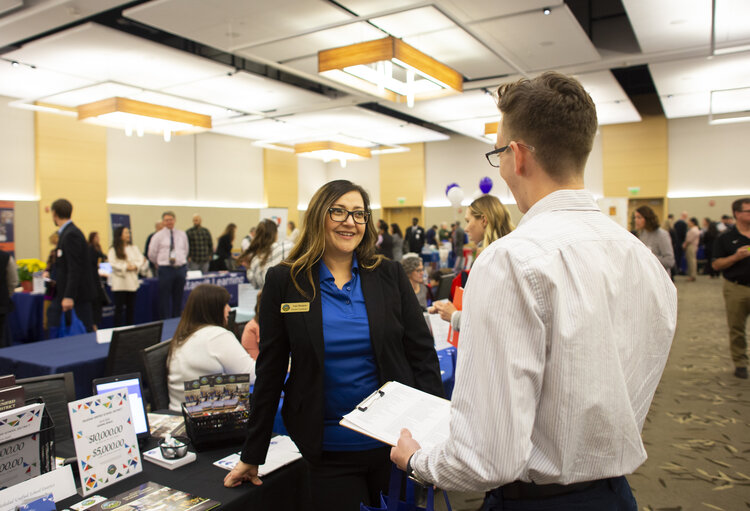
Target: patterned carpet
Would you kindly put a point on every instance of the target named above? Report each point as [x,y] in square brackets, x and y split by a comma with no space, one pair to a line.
[697,433]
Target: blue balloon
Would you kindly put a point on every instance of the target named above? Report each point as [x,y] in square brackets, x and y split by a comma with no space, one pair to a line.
[485,184]
[448,188]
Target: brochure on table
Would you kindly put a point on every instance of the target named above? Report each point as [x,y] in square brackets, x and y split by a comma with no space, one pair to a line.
[105,440]
[58,482]
[21,444]
[152,495]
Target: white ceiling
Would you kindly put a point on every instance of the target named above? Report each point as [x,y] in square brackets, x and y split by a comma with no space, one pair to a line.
[487,41]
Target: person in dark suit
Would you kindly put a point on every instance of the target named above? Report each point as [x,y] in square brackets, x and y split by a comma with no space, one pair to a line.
[8,283]
[351,322]
[414,238]
[74,287]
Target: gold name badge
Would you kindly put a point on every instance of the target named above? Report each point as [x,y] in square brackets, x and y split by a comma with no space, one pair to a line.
[295,307]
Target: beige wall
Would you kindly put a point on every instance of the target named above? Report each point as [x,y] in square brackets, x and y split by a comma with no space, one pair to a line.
[402,176]
[280,181]
[636,155]
[26,231]
[71,162]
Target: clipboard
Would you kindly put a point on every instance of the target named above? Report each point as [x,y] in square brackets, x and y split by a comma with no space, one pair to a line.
[393,406]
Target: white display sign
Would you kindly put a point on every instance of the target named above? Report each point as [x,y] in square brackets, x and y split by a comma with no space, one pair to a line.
[19,422]
[279,216]
[57,482]
[105,440]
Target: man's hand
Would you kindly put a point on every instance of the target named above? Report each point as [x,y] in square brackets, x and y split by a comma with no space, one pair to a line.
[67,304]
[132,267]
[742,252]
[445,309]
[240,473]
[405,447]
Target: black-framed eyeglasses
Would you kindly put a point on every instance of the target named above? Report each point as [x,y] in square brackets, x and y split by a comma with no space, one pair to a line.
[493,157]
[359,216]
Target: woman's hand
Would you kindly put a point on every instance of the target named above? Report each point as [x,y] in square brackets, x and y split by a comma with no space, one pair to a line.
[240,473]
[445,309]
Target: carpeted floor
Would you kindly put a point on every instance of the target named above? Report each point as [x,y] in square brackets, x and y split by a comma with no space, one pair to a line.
[697,433]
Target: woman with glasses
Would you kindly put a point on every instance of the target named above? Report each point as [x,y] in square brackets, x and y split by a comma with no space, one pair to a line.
[414,269]
[350,321]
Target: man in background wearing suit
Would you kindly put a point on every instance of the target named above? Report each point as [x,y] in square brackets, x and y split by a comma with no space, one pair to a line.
[75,286]
[414,238]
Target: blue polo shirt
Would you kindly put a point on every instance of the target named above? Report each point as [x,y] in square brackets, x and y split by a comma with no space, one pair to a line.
[350,373]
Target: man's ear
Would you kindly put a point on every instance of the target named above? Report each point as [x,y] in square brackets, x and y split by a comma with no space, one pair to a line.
[519,158]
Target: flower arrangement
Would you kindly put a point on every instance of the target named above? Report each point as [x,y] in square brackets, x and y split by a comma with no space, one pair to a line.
[27,268]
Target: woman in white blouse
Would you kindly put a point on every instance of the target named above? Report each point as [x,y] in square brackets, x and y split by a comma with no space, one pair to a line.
[127,261]
[202,345]
[264,251]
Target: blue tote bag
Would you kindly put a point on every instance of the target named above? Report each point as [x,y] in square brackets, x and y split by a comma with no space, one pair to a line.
[392,502]
[70,325]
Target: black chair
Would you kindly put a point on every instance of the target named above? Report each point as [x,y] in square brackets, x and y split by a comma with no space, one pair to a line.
[57,390]
[232,322]
[154,361]
[127,343]
[444,288]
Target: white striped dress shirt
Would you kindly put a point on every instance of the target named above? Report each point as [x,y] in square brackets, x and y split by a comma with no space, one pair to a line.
[566,328]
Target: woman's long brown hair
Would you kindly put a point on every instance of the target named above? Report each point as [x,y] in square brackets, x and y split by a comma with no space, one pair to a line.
[312,239]
[204,307]
[497,215]
[265,236]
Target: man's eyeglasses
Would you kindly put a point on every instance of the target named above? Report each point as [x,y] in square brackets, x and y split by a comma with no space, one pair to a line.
[359,216]
[493,157]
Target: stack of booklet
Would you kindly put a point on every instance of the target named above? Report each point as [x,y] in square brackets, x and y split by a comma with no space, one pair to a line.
[217,393]
[152,496]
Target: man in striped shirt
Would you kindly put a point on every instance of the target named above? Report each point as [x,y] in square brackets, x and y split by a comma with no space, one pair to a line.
[564,340]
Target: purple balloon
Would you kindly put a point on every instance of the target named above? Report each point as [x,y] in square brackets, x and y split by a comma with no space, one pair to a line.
[448,188]
[485,184]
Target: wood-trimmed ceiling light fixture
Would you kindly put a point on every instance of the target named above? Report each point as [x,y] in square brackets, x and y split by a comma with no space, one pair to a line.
[490,130]
[329,151]
[391,69]
[139,117]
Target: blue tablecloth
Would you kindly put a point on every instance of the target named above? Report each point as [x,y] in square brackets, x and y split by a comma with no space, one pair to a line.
[26,321]
[80,354]
[447,361]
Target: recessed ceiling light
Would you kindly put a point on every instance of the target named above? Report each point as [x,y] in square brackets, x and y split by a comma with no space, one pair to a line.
[547,11]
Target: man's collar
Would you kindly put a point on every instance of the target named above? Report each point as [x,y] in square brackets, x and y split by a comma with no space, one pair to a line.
[561,200]
[63,226]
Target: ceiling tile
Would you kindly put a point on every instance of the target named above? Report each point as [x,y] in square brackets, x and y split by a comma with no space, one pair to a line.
[732,22]
[403,24]
[468,105]
[266,129]
[368,7]
[101,54]
[472,127]
[459,50]
[685,86]
[670,24]
[26,83]
[540,42]
[473,10]
[233,24]
[247,93]
[39,17]
[311,44]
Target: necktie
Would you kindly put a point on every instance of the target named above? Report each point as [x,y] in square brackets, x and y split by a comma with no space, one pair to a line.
[171,240]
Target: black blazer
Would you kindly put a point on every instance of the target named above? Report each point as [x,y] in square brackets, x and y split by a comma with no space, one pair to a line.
[401,341]
[74,278]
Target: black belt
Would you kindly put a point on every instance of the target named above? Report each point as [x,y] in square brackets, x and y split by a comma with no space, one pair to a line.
[519,490]
[746,284]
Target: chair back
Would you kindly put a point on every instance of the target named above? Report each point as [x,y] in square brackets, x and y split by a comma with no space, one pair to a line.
[444,288]
[154,361]
[57,390]
[127,343]
[232,321]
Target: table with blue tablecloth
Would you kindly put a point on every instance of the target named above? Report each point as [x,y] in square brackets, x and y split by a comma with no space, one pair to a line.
[26,321]
[80,354]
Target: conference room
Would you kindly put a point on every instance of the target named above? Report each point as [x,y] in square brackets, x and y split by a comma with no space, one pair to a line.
[240,111]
